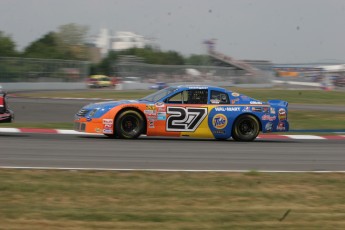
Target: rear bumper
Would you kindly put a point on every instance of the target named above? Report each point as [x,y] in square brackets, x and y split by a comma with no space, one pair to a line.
[7,117]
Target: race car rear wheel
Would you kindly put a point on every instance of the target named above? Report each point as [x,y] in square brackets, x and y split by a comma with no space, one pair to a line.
[129,124]
[246,128]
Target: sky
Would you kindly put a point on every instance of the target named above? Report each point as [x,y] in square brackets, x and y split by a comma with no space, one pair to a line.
[281,31]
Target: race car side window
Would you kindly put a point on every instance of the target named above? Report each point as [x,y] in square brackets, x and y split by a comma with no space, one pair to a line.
[179,98]
[193,96]
[197,96]
[218,97]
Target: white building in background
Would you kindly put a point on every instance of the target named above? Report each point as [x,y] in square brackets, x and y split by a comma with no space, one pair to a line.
[126,40]
[121,40]
[102,41]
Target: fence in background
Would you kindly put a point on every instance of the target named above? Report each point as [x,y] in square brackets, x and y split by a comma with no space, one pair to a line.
[146,73]
[42,70]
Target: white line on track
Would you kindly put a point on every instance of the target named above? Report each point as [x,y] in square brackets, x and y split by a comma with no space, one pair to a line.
[9,130]
[305,137]
[164,170]
[66,131]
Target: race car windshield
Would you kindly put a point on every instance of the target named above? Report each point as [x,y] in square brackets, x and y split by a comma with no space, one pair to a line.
[158,95]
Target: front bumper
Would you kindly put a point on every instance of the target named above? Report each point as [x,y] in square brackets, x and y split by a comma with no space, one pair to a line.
[88,126]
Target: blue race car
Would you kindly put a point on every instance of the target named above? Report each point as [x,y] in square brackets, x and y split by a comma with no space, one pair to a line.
[188,111]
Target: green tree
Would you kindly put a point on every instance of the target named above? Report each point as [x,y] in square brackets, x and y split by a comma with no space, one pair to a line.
[7,46]
[67,43]
[72,37]
[197,60]
[152,56]
[45,47]
[148,54]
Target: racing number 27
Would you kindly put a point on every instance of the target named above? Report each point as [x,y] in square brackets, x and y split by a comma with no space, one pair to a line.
[185,119]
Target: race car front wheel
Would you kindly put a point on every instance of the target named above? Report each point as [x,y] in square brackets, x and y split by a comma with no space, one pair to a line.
[246,128]
[129,124]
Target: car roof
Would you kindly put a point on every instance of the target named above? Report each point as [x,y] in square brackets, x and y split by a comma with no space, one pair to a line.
[186,87]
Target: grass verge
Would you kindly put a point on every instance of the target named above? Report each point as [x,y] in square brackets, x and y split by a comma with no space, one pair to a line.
[297,96]
[34,199]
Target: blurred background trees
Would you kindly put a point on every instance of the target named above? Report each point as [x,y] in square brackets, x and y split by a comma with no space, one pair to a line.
[69,42]
[7,46]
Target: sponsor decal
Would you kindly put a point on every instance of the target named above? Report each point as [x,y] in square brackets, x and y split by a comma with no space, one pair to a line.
[159,104]
[150,107]
[162,116]
[219,121]
[235,94]
[218,132]
[255,102]
[281,126]
[246,109]
[108,131]
[185,119]
[268,118]
[229,109]
[273,110]
[161,109]
[150,112]
[98,130]
[257,109]
[108,121]
[282,114]
[269,127]
[214,101]
[151,124]
[235,100]
[107,128]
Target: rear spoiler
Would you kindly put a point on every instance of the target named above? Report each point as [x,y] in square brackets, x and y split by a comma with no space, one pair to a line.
[278,103]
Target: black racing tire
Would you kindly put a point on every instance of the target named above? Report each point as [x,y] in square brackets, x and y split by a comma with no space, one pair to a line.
[246,128]
[129,124]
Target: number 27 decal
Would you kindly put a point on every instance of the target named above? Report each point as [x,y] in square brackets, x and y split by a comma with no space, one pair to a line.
[185,119]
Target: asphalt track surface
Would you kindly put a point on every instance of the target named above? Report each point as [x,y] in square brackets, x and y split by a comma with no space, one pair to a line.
[99,152]
[147,153]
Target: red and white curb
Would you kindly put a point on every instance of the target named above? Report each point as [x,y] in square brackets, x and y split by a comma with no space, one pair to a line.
[43,131]
[302,137]
[261,136]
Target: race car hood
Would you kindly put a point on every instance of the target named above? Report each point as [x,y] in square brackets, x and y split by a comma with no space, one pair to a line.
[96,110]
[108,104]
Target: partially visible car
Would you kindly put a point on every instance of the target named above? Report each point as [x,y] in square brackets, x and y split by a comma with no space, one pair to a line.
[185,111]
[6,115]
[100,81]
[159,85]
[339,81]
[131,80]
